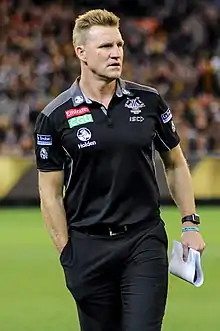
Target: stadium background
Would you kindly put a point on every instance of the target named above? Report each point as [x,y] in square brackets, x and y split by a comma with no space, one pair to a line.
[171,45]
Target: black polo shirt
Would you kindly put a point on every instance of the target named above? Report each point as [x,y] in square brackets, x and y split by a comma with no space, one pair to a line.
[107,154]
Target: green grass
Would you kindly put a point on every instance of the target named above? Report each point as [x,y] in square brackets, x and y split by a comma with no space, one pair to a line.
[33,296]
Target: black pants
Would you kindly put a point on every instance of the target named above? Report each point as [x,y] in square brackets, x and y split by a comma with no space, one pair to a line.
[119,283]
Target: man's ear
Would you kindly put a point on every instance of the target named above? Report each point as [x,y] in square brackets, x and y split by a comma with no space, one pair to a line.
[80,53]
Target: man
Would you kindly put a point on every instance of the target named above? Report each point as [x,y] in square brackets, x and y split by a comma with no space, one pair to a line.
[96,142]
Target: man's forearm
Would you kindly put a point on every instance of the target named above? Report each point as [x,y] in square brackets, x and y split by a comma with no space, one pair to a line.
[55,220]
[181,188]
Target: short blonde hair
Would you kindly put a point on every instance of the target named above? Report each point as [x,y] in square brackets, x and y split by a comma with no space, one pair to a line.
[84,22]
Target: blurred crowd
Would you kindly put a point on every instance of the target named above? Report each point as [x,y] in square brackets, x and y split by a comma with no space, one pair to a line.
[171,45]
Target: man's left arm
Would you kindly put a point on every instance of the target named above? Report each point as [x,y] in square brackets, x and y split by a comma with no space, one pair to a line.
[167,143]
[181,188]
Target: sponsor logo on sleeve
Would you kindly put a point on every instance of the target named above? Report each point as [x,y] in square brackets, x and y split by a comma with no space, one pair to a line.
[173,128]
[43,153]
[76,112]
[44,139]
[79,120]
[166,117]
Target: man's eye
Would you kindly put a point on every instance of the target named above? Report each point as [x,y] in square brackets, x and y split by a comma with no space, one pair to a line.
[106,46]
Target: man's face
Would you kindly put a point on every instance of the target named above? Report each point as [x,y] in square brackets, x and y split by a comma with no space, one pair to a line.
[103,51]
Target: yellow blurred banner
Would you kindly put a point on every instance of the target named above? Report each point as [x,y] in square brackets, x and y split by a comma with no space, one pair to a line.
[18,178]
[206,178]
[11,171]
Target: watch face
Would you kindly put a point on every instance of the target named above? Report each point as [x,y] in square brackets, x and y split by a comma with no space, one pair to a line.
[194,218]
[197,219]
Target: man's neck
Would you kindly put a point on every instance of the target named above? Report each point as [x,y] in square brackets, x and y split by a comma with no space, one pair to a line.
[97,90]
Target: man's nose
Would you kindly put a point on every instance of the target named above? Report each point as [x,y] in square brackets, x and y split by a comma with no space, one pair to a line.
[115,52]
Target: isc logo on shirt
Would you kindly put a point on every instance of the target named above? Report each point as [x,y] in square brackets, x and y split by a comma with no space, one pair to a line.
[79,120]
[76,112]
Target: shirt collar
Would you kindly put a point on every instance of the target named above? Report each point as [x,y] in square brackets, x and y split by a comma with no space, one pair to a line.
[121,89]
[79,97]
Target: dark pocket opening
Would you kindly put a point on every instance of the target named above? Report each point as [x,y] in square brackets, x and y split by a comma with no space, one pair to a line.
[64,256]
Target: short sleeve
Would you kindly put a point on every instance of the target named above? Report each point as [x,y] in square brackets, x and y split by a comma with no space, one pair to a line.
[166,137]
[48,149]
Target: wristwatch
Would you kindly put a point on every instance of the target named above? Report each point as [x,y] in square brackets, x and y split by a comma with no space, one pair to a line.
[194,218]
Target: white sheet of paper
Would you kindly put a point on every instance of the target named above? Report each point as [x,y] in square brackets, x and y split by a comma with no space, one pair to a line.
[191,270]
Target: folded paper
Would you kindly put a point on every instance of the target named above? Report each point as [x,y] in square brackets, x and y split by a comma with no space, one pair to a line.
[190,270]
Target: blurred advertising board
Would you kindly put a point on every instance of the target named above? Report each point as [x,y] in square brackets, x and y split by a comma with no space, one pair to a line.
[18,178]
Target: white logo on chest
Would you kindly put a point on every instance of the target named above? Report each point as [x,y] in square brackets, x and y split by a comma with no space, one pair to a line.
[136,119]
[84,135]
[135,105]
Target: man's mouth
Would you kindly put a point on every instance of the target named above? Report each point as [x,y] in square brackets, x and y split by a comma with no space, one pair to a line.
[114,65]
